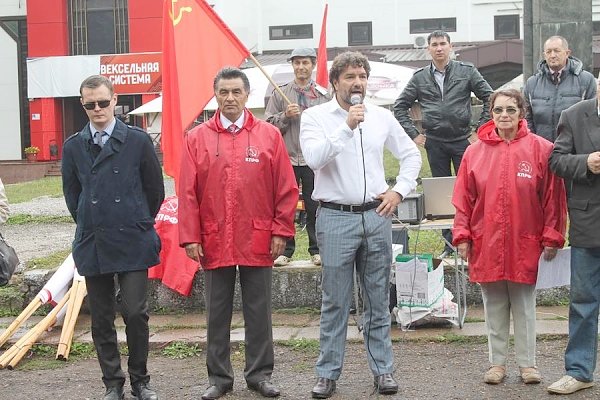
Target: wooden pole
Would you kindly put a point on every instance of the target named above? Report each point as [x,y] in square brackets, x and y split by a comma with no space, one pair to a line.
[276,86]
[78,297]
[62,342]
[25,314]
[37,330]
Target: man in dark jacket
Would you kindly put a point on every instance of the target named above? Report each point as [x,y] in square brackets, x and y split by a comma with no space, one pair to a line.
[443,90]
[576,157]
[113,187]
[559,83]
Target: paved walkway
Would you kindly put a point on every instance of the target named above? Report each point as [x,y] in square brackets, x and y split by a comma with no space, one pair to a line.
[192,327]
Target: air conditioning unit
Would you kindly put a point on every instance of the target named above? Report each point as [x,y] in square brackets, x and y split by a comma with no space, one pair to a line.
[419,42]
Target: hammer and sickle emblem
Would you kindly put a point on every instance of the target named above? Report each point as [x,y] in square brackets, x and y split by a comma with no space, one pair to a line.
[181,10]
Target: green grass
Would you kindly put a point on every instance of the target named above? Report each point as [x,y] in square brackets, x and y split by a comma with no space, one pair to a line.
[180,350]
[301,345]
[43,356]
[49,262]
[27,191]
[22,219]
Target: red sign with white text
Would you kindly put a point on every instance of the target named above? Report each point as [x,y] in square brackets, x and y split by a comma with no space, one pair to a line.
[133,73]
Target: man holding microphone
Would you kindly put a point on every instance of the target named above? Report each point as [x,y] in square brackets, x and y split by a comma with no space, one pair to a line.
[343,142]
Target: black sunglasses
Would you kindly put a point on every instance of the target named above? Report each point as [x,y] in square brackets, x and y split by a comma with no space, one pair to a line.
[92,105]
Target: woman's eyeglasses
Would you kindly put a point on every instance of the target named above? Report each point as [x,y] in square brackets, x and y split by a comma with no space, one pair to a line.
[500,110]
[92,105]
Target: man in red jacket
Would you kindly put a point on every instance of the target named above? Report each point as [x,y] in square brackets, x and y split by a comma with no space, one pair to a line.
[237,202]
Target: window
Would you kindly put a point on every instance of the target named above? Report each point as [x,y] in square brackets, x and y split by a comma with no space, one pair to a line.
[506,27]
[429,25]
[98,26]
[360,33]
[285,32]
[596,27]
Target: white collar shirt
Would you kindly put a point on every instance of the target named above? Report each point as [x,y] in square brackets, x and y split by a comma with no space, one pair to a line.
[335,153]
[227,123]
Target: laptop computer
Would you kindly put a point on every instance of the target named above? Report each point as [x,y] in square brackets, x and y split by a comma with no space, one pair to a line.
[437,195]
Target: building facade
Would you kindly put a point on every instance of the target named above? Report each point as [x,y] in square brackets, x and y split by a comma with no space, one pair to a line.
[49,45]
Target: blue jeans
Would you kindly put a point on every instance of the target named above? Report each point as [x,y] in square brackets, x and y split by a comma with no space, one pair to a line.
[345,239]
[580,357]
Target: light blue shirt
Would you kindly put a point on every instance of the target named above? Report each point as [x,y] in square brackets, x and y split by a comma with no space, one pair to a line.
[108,131]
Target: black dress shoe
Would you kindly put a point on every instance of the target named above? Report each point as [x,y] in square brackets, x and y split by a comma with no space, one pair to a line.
[323,389]
[265,388]
[114,393]
[214,392]
[142,391]
[386,384]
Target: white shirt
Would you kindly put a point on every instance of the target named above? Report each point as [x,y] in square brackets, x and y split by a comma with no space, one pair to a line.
[226,122]
[333,151]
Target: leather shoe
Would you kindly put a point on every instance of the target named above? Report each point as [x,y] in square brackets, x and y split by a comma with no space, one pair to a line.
[265,388]
[142,391]
[114,393]
[214,392]
[323,389]
[386,384]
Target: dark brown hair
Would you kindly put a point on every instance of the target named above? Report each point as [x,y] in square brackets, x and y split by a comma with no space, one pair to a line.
[513,94]
[345,60]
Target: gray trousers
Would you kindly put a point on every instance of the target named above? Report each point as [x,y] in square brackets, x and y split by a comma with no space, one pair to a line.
[346,239]
[256,304]
[500,299]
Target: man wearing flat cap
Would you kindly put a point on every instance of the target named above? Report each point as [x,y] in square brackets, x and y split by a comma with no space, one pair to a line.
[303,92]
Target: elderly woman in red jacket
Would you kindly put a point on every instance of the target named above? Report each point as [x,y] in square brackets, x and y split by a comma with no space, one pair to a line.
[509,210]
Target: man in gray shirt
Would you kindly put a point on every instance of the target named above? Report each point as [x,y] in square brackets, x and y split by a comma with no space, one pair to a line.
[303,93]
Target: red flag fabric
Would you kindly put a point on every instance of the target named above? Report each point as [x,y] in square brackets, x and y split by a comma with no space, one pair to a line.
[322,74]
[176,269]
[196,45]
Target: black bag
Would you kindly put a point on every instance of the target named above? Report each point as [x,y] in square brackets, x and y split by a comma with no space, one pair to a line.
[8,261]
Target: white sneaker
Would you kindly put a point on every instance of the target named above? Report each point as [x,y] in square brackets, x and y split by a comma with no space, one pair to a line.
[567,385]
[316,259]
[281,261]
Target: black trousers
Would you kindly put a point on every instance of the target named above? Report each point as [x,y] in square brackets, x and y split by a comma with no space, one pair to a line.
[132,301]
[305,175]
[256,305]
[442,156]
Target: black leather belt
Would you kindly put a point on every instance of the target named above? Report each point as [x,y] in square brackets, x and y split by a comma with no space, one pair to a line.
[351,208]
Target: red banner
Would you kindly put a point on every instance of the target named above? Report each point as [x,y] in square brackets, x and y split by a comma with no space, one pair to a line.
[196,45]
[322,74]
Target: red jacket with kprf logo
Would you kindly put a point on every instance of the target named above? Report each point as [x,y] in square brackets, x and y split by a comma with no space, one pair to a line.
[236,191]
[508,205]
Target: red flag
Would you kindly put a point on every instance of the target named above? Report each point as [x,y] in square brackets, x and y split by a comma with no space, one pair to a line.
[196,45]
[322,74]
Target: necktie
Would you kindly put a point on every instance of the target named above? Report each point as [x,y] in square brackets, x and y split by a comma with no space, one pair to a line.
[555,76]
[101,138]
[232,128]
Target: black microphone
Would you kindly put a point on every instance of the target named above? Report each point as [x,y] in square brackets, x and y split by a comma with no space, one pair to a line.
[354,100]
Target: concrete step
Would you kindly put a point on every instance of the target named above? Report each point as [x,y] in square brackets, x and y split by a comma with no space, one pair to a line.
[165,329]
[294,286]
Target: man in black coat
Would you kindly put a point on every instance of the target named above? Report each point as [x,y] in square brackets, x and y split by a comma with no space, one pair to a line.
[113,187]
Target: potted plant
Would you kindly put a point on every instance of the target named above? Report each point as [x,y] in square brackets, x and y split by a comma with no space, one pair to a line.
[31,153]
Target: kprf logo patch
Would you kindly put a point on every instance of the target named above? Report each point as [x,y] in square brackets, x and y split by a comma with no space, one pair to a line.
[525,170]
[252,154]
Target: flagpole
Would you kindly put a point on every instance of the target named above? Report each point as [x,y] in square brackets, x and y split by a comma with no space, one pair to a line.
[266,74]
